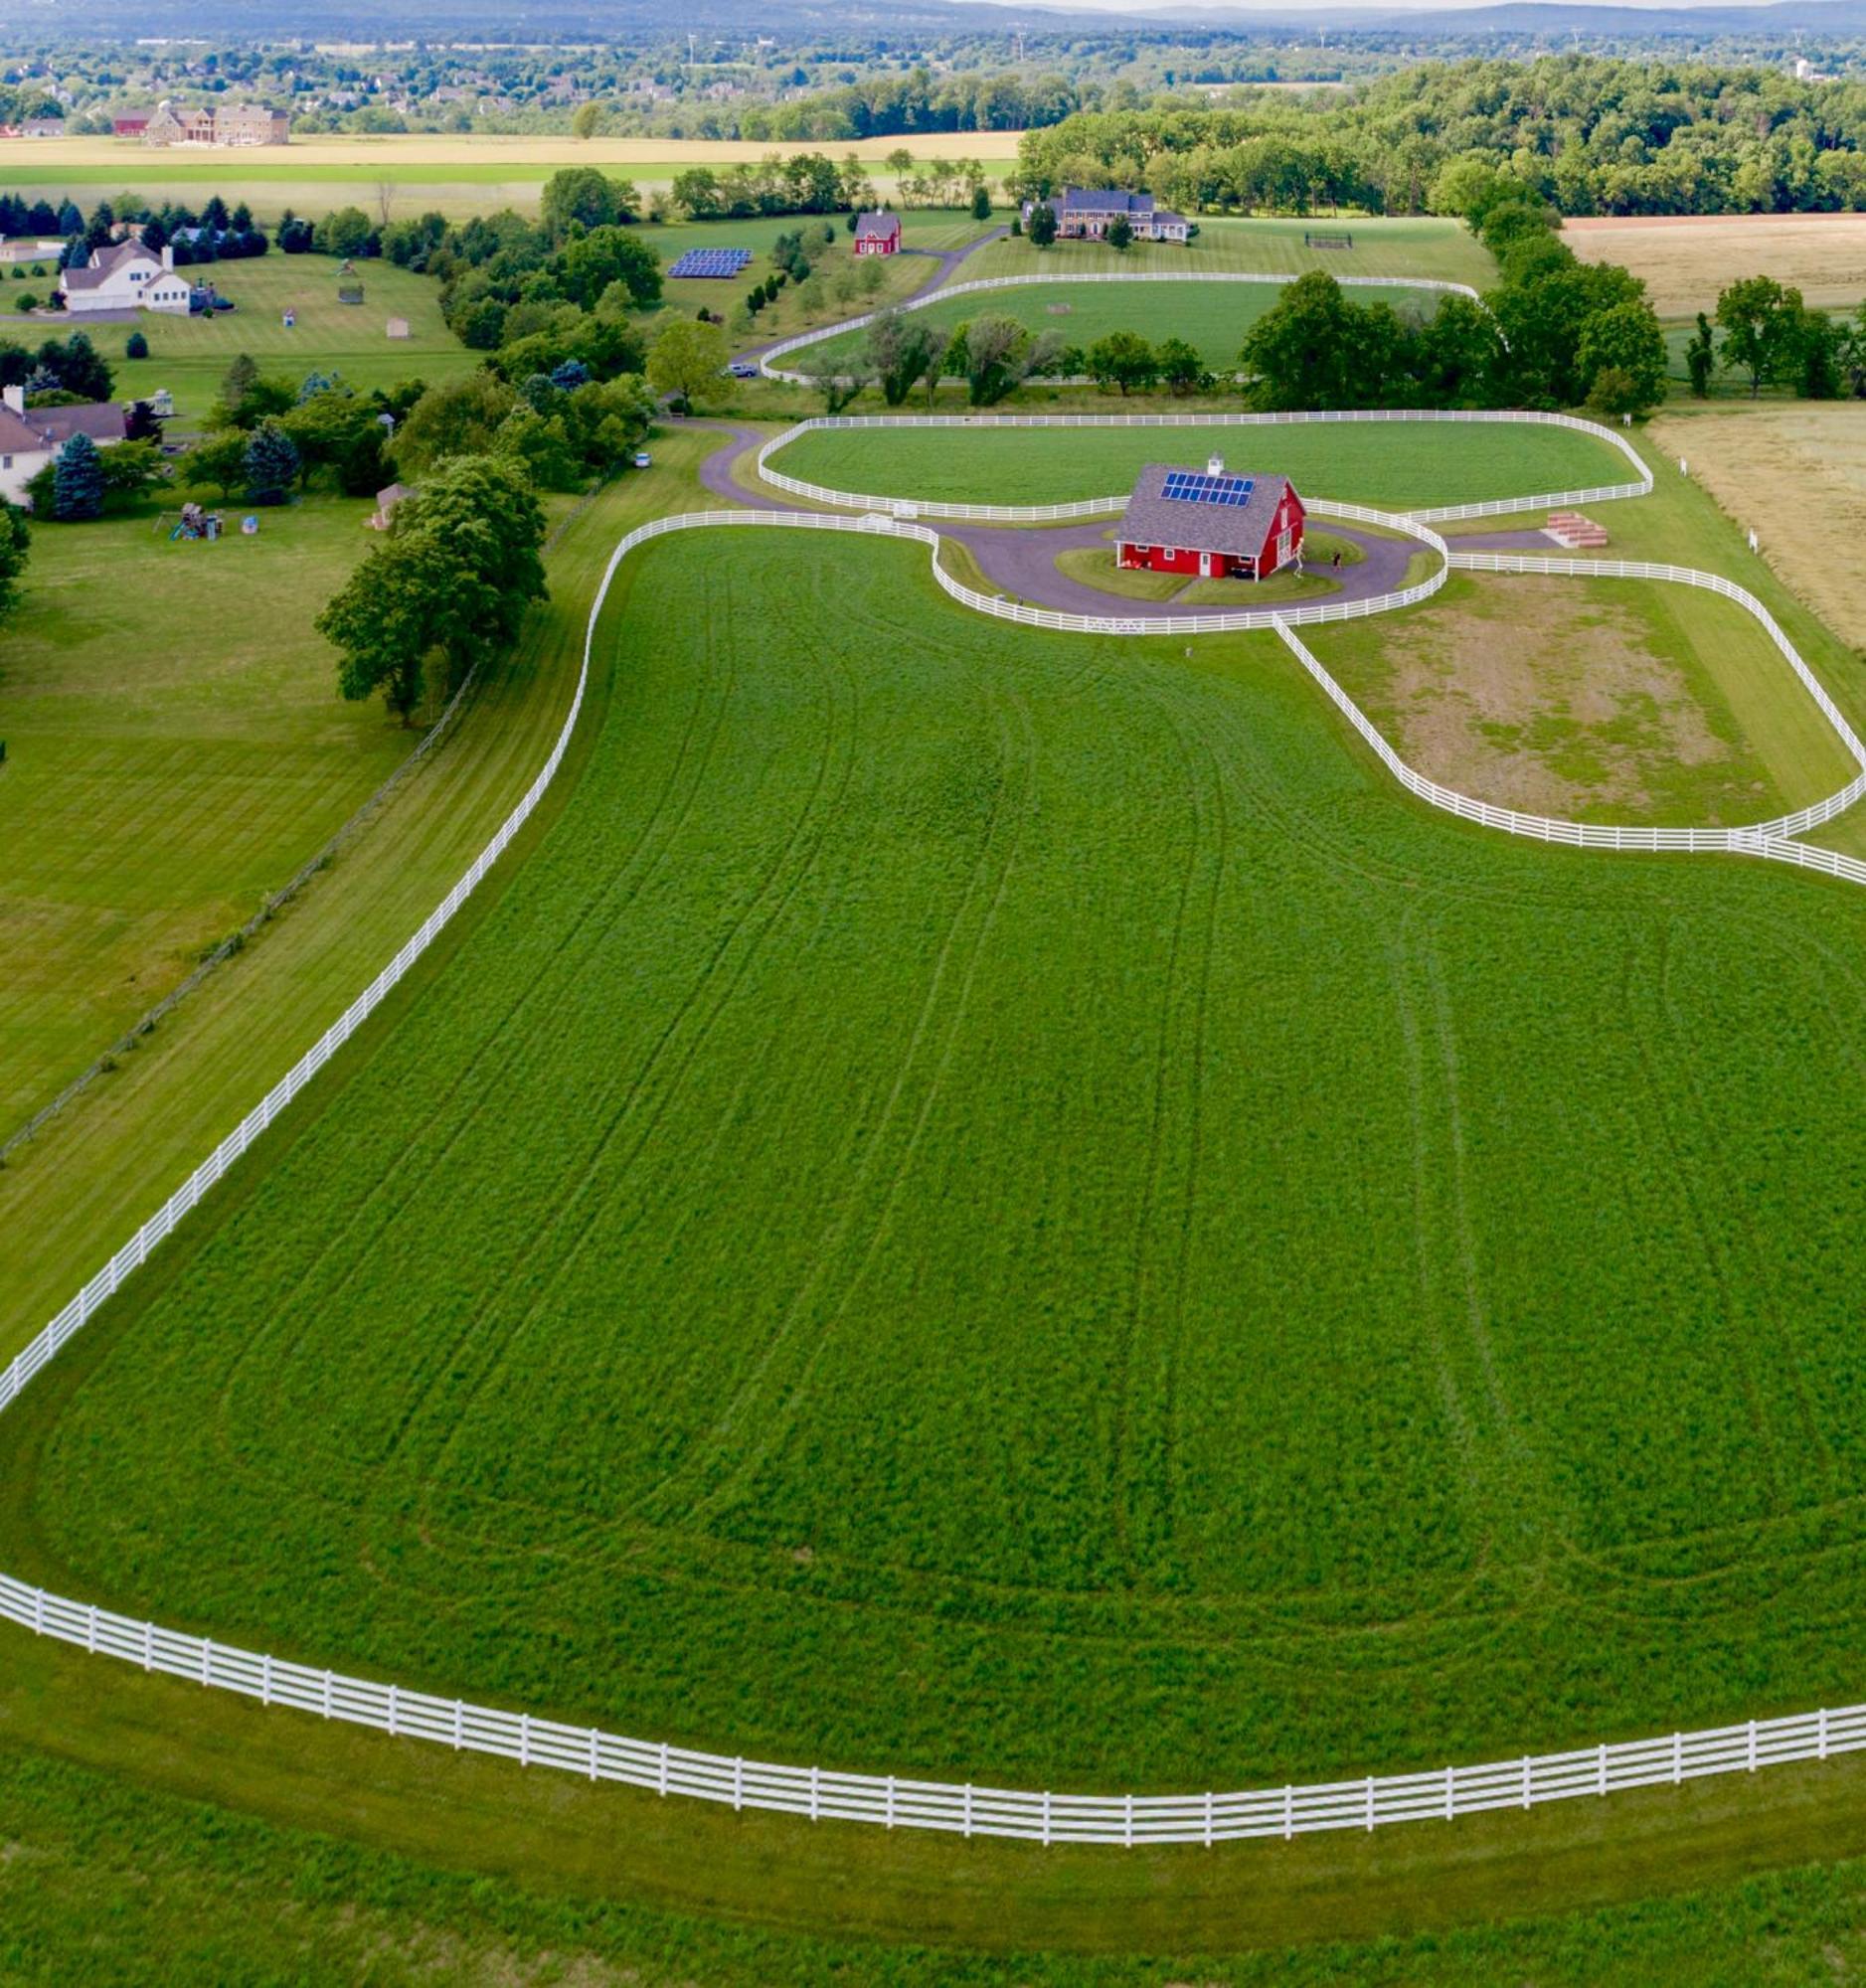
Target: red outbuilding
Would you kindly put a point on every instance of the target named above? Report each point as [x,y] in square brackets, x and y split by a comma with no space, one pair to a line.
[1215,523]
[877,233]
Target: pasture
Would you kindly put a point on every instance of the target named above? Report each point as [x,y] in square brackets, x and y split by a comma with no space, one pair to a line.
[189,355]
[1211,317]
[1395,465]
[958,1196]
[1615,701]
[166,765]
[1414,246]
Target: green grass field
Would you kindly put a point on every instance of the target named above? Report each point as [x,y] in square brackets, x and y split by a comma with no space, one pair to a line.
[1418,246]
[165,767]
[1399,465]
[1138,1268]
[1213,317]
[189,355]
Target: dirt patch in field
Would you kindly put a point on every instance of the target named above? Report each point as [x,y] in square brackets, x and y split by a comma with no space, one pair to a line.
[1796,472]
[1535,697]
[1686,259]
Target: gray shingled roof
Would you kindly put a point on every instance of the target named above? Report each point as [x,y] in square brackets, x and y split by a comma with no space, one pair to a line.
[102,420]
[869,225]
[106,260]
[1239,529]
[1109,200]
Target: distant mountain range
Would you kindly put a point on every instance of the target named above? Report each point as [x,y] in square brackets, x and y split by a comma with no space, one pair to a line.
[1517,22]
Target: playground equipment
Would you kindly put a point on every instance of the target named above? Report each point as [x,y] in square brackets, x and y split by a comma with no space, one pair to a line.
[195,523]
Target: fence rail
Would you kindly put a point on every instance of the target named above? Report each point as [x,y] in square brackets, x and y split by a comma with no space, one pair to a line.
[1093,507]
[889,1801]
[798,340]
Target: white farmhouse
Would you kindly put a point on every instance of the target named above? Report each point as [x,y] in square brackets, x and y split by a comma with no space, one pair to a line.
[30,436]
[125,276]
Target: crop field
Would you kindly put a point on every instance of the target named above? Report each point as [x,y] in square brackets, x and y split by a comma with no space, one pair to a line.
[460,176]
[973,1209]
[1419,246]
[1213,317]
[1393,463]
[1685,260]
[164,768]
[189,355]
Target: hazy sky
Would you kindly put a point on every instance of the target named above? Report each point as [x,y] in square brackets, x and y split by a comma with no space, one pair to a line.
[1319,10]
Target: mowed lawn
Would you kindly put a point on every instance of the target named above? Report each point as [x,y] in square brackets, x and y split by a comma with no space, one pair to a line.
[1011,1207]
[1213,317]
[1411,247]
[175,749]
[189,355]
[1402,466]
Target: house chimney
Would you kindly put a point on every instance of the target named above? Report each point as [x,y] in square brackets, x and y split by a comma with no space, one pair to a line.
[1214,464]
[168,256]
[15,398]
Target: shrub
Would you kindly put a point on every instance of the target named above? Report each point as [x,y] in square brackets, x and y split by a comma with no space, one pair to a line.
[135,346]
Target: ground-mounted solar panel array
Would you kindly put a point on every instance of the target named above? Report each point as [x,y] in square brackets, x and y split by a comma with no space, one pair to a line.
[1189,487]
[711,263]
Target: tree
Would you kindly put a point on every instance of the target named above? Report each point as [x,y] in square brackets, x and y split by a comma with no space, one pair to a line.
[237,381]
[1758,319]
[1121,233]
[1455,354]
[1817,353]
[999,355]
[1300,348]
[1701,358]
[586,119]
[586,195]
[77,481]
[131,470]
[135,346]
[940,350]
[981,202]
[346,232]
[607,255]
[540,444]
[454,417]
[455,573]
[1180,365]
[836,380]
[271,465]
[897,350]
[1626,341]
[15,546]
[1123,359]
[1042,225]
[687,359]
[220,459]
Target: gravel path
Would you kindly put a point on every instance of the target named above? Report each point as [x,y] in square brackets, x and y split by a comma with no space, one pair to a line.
[1023,561]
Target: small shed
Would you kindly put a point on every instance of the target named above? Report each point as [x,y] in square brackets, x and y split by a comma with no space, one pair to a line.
[877,233]
[397,327]
[1215,523]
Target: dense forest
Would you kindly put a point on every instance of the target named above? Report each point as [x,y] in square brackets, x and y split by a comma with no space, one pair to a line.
[1590,135]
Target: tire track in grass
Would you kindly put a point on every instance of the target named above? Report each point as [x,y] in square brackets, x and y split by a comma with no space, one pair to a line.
[640,862]
[580,1206]
[697,1489]
[1141,1537]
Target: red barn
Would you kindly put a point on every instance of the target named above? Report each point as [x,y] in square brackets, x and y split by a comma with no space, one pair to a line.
[128,127]
[877,233]
[1211,522]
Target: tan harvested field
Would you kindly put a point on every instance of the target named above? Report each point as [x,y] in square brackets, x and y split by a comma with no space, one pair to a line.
[1687,258]
[1798,460]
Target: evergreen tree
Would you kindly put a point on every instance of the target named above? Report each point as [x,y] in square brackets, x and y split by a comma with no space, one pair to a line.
[78,482]
[271,463]
[1042,225]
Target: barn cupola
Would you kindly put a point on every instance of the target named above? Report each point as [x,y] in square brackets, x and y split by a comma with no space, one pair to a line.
[1214,464]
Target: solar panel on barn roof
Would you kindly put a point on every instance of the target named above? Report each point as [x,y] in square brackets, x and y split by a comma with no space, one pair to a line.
[1187,486]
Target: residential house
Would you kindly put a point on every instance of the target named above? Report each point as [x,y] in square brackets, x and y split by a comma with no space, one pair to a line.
[30,436]
[1083,215]
[126,276]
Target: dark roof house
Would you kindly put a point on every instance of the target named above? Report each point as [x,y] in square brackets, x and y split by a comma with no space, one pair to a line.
[1212,521]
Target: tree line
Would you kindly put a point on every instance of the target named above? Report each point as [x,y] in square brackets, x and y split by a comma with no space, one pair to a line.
[1588,134]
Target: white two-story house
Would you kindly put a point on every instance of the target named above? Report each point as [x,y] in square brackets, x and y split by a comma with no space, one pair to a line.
[30,436]
[125,276]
